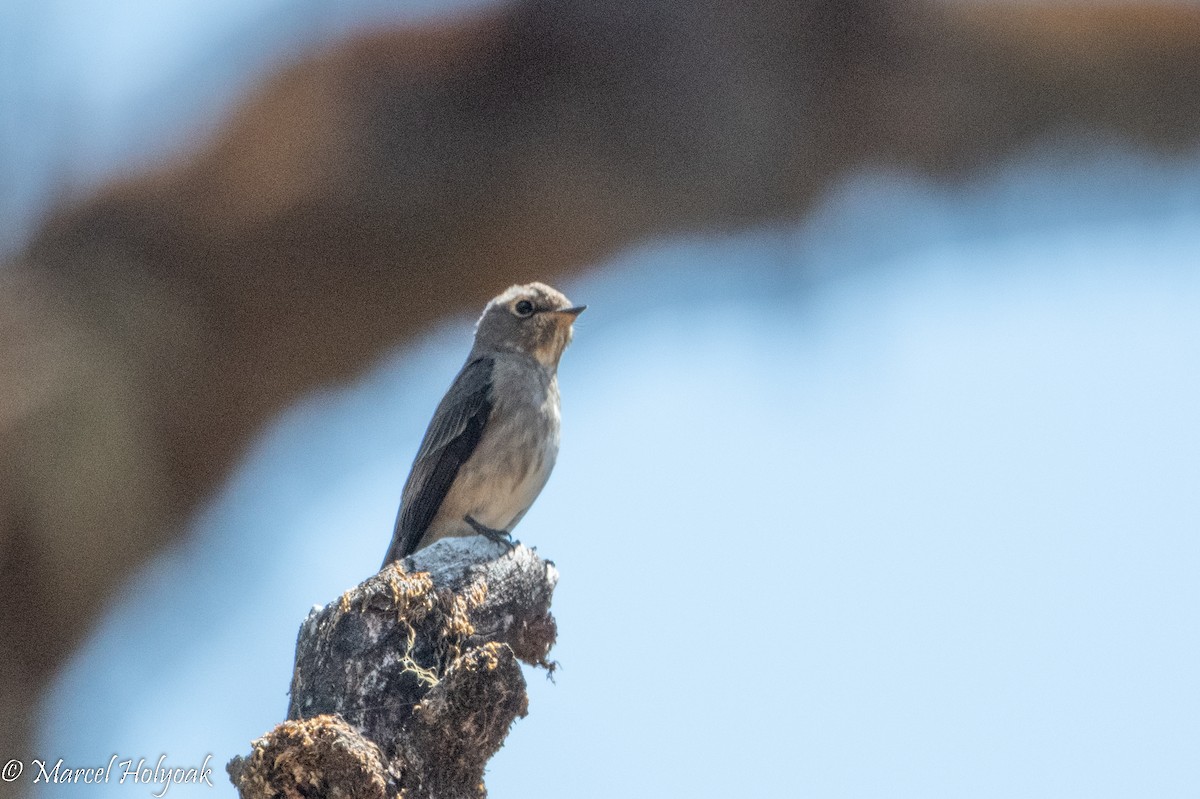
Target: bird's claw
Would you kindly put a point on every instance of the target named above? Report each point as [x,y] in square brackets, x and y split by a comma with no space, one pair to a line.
[498,536]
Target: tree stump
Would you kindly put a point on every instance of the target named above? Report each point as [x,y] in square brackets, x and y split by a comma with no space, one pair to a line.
[408,684]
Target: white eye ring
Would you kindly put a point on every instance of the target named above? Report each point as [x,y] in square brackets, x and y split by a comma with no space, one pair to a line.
[523,308]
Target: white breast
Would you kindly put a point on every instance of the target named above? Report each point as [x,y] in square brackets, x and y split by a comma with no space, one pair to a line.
[513,460]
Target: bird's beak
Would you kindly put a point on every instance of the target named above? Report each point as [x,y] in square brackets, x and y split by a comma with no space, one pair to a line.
[576,311]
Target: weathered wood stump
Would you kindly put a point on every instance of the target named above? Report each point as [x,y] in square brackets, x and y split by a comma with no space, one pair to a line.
[408,684]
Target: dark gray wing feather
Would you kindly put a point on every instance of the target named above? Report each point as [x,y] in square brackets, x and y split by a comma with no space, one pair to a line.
[452,436]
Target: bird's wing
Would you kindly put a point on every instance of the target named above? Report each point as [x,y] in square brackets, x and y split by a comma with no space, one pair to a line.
[452,436]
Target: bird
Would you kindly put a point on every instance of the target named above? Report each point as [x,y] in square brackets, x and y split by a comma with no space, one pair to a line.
[493,440]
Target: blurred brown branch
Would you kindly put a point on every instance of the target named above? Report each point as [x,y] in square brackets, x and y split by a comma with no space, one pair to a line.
[147,334]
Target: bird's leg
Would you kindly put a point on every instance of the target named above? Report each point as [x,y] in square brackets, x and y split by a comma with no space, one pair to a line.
[499,536]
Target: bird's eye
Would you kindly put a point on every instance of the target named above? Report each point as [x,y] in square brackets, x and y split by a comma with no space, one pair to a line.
[523,308]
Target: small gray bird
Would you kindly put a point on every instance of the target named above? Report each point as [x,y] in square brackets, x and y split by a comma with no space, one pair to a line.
[494,438]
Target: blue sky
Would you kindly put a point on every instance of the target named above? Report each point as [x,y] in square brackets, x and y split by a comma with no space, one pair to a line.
[862,507]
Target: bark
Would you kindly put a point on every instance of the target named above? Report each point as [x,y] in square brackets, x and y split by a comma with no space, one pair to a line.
[408,683]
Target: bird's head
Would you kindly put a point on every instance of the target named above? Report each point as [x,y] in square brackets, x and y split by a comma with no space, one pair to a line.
[533,319]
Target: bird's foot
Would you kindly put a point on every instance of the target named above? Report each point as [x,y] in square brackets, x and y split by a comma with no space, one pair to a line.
[499,536]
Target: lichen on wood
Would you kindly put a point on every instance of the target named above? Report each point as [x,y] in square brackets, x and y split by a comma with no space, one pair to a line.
[408,683]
